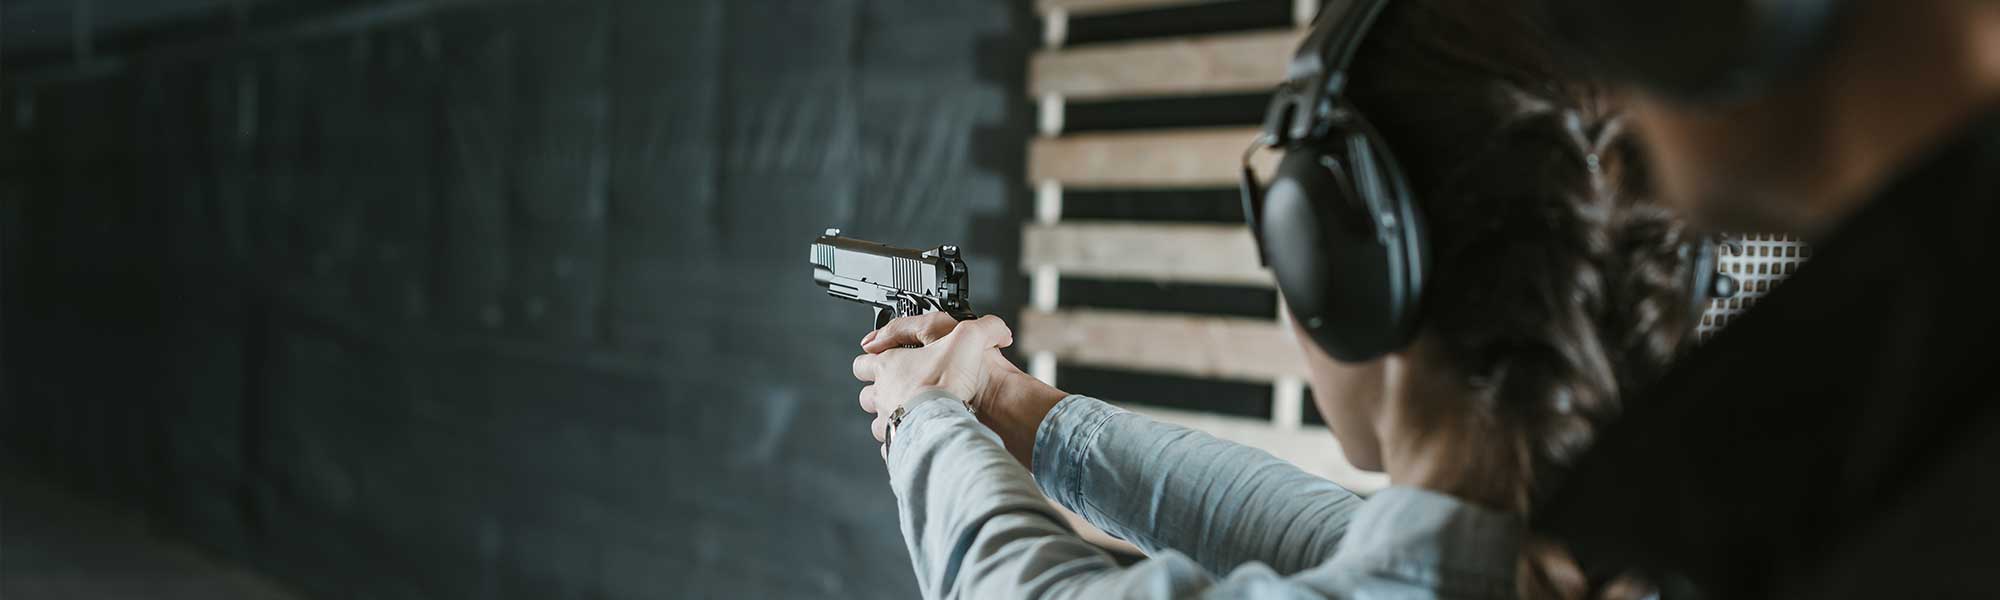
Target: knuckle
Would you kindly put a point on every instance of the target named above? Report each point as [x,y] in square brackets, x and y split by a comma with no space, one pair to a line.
[989,326]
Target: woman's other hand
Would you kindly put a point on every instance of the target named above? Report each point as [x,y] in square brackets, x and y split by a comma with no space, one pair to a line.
[955,362]
[911,354]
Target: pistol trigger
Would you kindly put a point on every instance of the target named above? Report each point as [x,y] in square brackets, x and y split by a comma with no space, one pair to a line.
[882,317]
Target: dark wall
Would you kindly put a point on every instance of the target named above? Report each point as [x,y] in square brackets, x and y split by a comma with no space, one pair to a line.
[508,301]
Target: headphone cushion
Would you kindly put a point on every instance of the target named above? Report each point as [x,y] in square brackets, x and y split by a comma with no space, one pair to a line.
[1337,276]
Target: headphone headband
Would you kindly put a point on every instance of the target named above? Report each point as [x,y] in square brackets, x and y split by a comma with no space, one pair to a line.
[1318,70]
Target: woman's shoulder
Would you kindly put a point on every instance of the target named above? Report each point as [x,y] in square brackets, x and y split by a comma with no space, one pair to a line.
[1416,543]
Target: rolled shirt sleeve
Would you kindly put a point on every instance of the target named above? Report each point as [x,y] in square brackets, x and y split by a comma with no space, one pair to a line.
[977,527]
[1162,486]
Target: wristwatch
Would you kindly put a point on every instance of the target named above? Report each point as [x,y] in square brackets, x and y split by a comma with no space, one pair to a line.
[895,419]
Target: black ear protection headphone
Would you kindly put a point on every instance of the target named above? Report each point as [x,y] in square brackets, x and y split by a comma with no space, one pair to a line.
[1697,50]
[1338,225]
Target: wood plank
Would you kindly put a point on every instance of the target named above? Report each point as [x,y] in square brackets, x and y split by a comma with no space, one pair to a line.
[1189,252]
[1195,345]
[1313,448]
[1232,62]
[1195,157]
[1104,6]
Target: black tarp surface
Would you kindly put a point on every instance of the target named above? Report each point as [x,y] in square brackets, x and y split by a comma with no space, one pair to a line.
[507,301]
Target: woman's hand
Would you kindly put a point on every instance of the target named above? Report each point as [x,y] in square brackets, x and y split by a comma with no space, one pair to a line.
[954,362]
[962,358]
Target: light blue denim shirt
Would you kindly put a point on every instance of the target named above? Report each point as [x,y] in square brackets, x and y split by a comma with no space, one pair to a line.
[1216,519]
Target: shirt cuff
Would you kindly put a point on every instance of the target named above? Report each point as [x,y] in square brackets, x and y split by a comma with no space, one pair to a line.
[1063,445]
[926,411]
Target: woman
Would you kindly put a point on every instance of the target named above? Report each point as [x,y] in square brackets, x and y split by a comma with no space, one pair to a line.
[1552,292]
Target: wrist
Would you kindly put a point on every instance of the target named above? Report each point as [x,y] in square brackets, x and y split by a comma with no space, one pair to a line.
[1015,411]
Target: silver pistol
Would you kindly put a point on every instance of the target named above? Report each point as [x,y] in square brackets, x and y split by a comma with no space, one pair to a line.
[896,282]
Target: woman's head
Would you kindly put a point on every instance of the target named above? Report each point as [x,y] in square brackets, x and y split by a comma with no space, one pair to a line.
[1555,288]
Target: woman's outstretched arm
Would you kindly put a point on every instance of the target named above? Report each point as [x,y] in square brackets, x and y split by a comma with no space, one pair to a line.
[1156,485]
[977,528]
[1163,486]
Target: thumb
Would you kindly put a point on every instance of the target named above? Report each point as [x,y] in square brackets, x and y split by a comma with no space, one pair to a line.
[988,331]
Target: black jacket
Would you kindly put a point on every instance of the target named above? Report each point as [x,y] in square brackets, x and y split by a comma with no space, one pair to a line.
[1843,438]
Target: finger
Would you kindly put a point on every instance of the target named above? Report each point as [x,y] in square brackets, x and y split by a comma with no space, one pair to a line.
[880,427]
[903,331]
[864,367]
[868,399]
[870,336]
[911,331]
[989,331]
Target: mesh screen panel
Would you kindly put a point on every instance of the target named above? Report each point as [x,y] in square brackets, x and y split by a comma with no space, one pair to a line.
[1758,262]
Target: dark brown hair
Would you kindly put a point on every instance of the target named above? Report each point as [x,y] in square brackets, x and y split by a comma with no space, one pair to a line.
[1557,288]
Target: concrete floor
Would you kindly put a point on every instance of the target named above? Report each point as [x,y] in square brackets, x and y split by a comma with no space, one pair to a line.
[57,546]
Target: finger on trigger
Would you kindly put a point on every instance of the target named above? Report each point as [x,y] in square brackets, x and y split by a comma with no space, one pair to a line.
[887,337]
[917,330]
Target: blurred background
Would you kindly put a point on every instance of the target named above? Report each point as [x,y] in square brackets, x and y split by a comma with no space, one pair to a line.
[509,299]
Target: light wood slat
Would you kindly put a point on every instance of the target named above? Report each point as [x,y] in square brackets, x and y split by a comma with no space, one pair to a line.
[1102,6]
[1233,62]
[1200,346]
[1196,157]
[1313,448]
[1198,253]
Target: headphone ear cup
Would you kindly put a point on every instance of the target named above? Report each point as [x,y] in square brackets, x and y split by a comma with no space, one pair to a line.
[1333,269]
